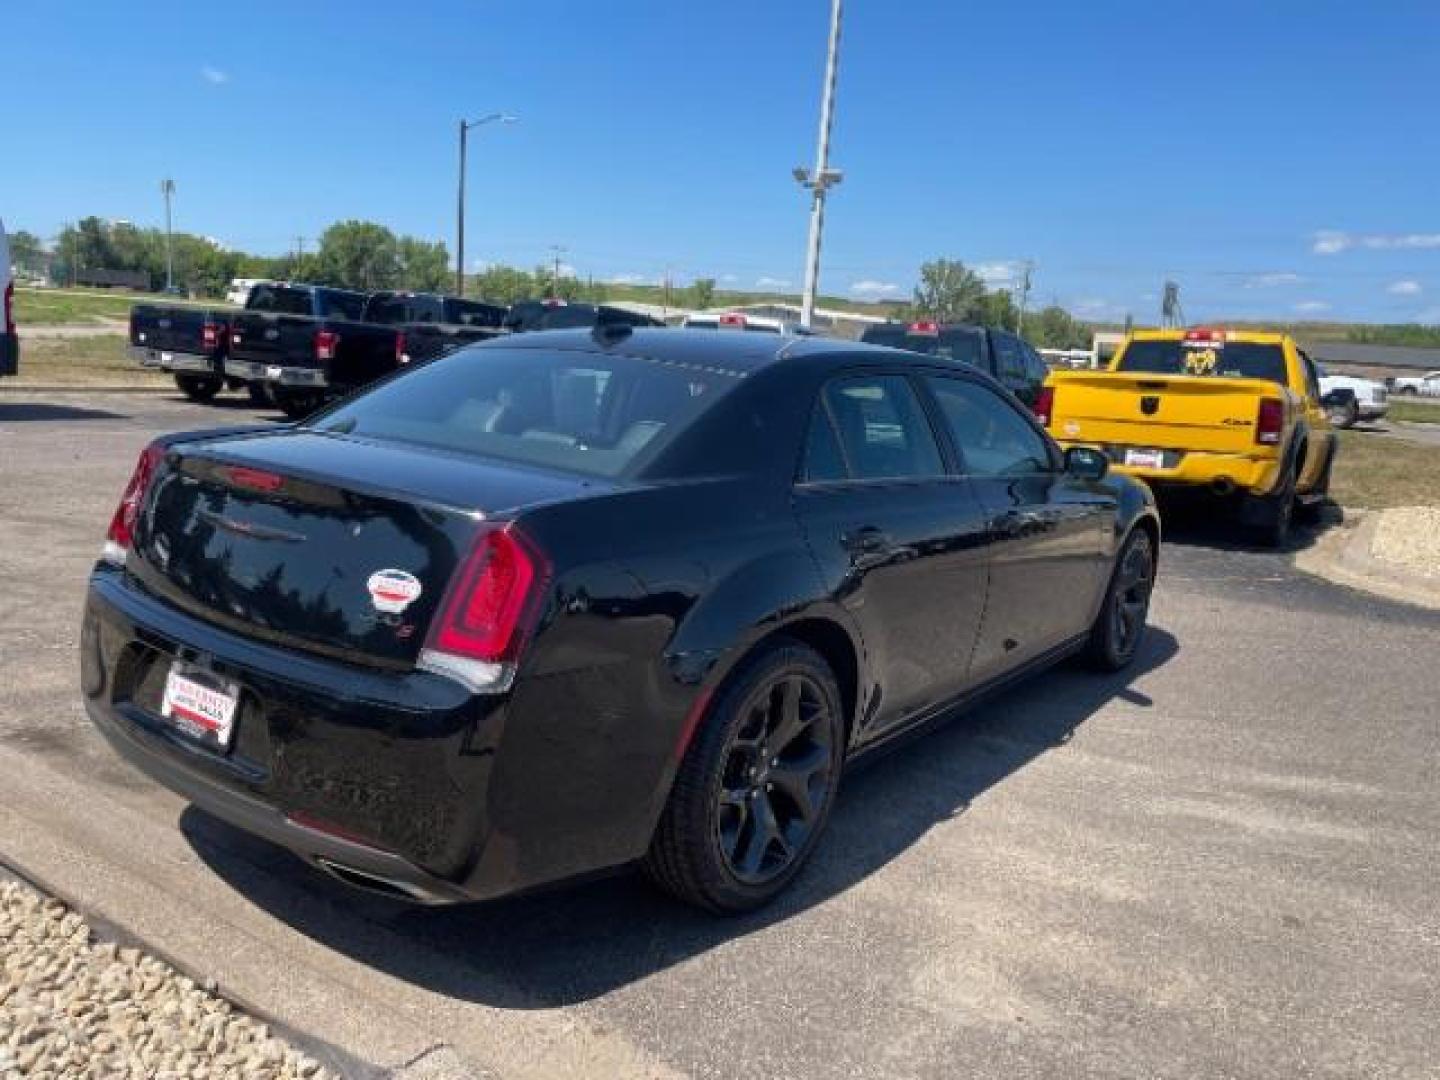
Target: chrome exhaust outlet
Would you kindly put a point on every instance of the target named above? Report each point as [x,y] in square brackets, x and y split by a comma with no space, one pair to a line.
[1222,486]
[370,882]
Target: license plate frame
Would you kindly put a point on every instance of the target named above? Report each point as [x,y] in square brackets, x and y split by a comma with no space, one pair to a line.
[200,704]
[1143,457]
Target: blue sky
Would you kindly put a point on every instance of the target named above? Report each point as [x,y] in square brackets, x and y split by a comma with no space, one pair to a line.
[1279,160]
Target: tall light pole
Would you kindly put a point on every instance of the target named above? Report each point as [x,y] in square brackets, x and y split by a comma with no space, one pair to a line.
[167,188]
[823,177]
[465,126]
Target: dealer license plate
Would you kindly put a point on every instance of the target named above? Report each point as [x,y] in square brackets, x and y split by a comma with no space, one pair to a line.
[1145,459]
[273,372]
[200,704]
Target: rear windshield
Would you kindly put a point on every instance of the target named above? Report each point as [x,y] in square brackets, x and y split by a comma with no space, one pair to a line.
[468,313]
[341,305]
[279,299]
[389,310]
[581,412]
[963,345]
[1234,359]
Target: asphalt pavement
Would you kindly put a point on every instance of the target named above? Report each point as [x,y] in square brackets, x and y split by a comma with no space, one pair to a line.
[1221,863]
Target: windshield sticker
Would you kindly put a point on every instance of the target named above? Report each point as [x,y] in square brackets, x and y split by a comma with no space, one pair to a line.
[1201,361]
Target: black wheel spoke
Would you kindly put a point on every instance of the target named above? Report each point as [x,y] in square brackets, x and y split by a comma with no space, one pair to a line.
[763,834]
[790,721]
[793,782]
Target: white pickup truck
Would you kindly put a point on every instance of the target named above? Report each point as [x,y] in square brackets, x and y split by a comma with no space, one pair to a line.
[1427,385]
[1367,399]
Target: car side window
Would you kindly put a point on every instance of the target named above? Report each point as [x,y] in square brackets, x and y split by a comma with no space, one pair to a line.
[1034,364]
[1010,360]
[824,460]
[992,437]
[882,430]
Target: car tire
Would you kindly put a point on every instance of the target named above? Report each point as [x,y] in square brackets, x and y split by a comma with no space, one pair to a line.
[1312,509]
[1119,628]
[297,404]
[1344,415]
[755,788]
[1409,391]
[1275,513]
[259,395]
[199,387]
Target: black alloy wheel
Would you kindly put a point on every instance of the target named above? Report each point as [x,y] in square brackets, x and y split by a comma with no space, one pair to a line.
[1120,627]
[199,387]
[755,788]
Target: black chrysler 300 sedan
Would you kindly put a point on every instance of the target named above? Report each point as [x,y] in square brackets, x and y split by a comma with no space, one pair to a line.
[568,601]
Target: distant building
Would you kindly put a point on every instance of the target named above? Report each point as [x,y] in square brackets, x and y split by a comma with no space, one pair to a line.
[1374,361]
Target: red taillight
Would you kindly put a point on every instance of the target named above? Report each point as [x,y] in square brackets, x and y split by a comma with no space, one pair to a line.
[254,479]
[400,357]
[210,336]
[10,307]
[733,319]
[1205,334]
[488,611]
[327,342]
[1270,422]
[122,525]
[1045,405]
[926,327]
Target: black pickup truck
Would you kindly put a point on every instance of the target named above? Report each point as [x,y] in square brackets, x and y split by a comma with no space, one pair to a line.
[528,315]
[1000,353]
[191,343]
[433,325]
[306,343]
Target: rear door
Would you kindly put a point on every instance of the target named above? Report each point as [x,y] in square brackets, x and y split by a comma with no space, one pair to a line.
[898,537]
[1012,366]
[1048,534]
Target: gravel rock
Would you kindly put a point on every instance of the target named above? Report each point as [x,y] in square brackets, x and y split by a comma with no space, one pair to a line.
[74,1007]
[1410,537]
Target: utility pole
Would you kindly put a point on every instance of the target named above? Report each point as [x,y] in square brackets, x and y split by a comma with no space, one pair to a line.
[823,177]
[1024,296]
[555,251]
[167,188]
[465,126]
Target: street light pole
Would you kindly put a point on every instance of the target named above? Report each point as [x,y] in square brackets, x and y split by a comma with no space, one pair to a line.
[823,177]
[465,126]
[167,188]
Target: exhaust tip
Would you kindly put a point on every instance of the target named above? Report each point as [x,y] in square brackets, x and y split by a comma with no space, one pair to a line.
[1223,486]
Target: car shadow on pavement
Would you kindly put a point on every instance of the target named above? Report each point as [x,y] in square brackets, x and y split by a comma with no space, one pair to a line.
[1195,522]
[22,411]
[239,404]
[585,940]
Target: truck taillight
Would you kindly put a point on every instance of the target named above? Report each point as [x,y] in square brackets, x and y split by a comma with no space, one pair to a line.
[733,318]
[400,357]
[210,336]
[488,611]
[925,328]
[1045,405]
[122,525]
[327,343]
[10,307]
[1270,422]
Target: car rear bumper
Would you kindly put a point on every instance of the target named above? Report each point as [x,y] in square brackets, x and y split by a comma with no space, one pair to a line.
[399,781]
[1198,468]
[165,360]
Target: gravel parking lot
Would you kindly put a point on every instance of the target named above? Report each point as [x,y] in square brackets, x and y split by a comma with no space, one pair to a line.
[1221,864]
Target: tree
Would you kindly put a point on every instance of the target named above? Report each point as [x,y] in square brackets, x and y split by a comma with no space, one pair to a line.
[949,292]
[998,309]
[700,294]
[424,267]
[505,285]
[1055,328]
[358,255]
[26,252]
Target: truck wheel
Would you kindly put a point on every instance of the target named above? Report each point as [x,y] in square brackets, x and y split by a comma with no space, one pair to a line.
[259,395]
[755,787]
[297,404]
[1314,505]
[1273,513]
[199,387]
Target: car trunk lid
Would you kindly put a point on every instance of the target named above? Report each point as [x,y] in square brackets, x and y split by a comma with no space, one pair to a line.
[290,539]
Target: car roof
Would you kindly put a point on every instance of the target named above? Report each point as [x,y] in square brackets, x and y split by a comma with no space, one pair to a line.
[736,352]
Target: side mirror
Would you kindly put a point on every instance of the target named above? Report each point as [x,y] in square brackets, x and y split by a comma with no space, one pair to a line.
[1085,463]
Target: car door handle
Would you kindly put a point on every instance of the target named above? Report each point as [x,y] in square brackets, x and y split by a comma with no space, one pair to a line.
[866,541]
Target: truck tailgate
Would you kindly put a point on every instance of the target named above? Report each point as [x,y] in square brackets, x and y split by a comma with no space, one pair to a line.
[1180,412]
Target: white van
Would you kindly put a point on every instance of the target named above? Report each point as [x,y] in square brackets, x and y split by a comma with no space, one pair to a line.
[240,287]
[9,339]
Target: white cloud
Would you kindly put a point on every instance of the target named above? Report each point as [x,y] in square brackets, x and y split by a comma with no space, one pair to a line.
[1404,288]
[631,279]
[1332,242]
[1312,307]
[771,283]
[999,274]
[869,287]
[214,76]
[1270,281]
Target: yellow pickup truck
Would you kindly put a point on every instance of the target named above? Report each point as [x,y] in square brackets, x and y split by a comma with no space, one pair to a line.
[1236,413]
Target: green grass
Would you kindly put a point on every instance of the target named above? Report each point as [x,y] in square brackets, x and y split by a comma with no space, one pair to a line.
[1415,410]
[83,307]
[89,361]
[1375,471]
